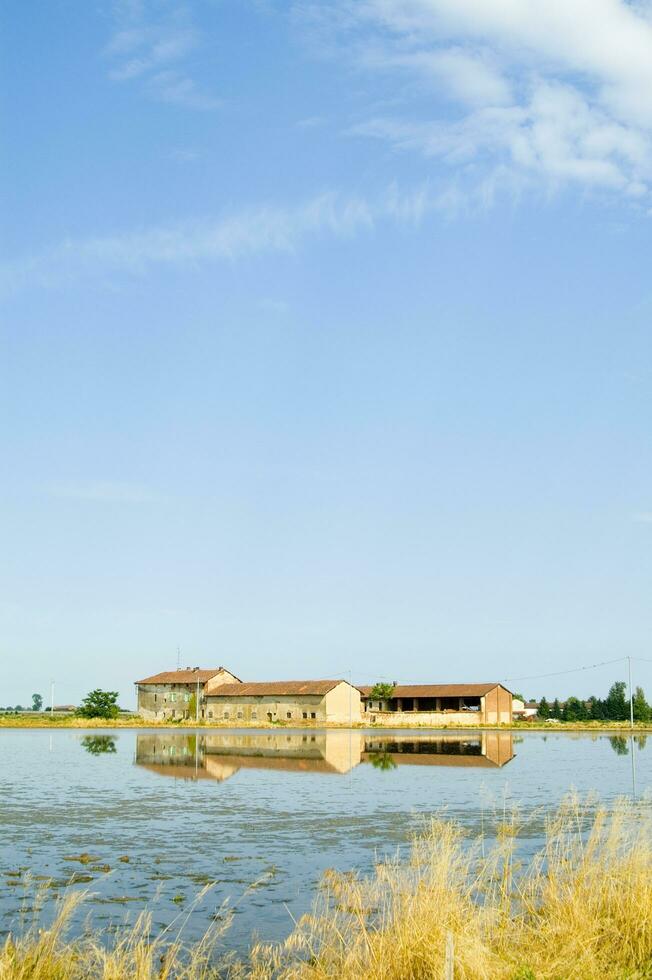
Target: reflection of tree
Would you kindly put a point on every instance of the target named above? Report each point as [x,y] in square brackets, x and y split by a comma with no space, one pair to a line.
[99,744]
[383,760]
[619,744]
[641,739]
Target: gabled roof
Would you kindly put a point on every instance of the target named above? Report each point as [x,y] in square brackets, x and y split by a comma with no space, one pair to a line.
[203,674]
[437,690]
[272,688]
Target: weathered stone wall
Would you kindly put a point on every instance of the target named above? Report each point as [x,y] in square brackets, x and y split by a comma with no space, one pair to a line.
[431,719]
[158,702]
[163,702]
[266,708]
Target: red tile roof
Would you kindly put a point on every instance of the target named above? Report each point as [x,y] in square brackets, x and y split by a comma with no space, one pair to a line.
[183,676]
[273,688]
[436,690]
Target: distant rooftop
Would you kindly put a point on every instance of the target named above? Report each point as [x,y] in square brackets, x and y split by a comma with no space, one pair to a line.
[437,690]
[274,688]
[188,675]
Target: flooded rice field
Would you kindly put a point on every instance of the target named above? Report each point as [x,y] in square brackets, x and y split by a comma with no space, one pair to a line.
[146,819]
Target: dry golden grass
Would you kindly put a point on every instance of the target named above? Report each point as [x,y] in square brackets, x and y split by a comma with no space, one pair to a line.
[48,954]
[582,908]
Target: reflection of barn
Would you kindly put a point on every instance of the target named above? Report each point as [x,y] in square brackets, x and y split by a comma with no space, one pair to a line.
[441,704]
[220,756]
[486,749]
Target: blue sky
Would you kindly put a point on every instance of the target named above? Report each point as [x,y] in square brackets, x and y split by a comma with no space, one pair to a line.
[325,341]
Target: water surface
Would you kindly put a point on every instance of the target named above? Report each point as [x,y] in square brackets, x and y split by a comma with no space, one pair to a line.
[146,818]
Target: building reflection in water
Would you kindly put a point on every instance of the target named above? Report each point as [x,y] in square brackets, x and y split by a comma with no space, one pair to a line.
[219,756]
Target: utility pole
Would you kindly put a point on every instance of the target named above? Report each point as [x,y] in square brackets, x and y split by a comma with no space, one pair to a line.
[350,699]
[631,694]
[197,703]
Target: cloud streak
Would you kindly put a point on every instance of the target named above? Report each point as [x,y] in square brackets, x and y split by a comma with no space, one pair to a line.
[266,229]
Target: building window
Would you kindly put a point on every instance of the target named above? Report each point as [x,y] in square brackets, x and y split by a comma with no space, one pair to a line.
[288,714]
[239,714]
[210,714]
[312,714]
[226,714]
[305,714]
[254,715]
[155,696]
[173,696]
[186,697]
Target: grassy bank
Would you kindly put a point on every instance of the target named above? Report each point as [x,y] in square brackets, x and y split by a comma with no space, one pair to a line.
[134,721]
[581,908]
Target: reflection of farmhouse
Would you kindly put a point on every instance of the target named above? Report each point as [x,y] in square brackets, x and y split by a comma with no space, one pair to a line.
[219,756]
[441,704]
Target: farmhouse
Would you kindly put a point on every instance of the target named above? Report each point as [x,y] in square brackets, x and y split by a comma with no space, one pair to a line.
[170,694]
[440,704]
[288,701]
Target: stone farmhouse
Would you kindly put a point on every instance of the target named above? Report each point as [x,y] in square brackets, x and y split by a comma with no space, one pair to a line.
[168,695]
[318,701]
[216,694]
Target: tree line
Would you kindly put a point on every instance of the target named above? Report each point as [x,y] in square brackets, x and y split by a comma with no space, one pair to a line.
[615,707]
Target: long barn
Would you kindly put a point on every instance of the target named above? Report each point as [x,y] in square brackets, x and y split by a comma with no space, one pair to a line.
[441,704]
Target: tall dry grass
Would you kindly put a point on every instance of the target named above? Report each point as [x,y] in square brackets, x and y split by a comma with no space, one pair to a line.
[581,908]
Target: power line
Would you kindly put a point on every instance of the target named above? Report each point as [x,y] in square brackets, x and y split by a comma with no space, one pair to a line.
[572,670]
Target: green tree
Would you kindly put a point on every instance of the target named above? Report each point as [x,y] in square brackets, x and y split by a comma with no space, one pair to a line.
[574,710]
[642,710]
[99,744]
[37,702]
[616,706]
[99,704]
[555,711]
[595,708]
[192,706]
[382,692]
[519,697]
[544,709]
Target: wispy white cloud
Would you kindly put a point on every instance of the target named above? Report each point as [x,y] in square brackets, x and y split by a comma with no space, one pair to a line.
[104,492]
[546,94]
[252,231]
[150,45]
[644,517]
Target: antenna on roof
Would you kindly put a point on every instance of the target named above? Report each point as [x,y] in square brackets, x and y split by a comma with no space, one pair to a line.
[178,657]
